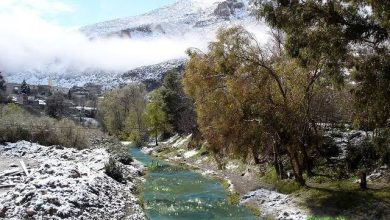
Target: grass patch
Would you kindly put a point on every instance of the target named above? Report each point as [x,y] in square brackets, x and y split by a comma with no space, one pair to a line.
[282,186]
[164,152]
[346,197]
[234,198]
[139,192]
[327,218]
[253,209]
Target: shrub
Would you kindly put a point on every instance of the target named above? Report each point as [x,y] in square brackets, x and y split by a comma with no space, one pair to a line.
[282,186]
[363,155]
[329,148]
[382,146]
[126,159]
[113,170]
[17,124]
[71,135]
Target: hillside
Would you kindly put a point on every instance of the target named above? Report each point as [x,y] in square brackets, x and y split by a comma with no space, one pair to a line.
[194,22]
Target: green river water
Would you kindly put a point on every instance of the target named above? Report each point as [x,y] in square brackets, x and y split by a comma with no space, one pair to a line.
[172,192]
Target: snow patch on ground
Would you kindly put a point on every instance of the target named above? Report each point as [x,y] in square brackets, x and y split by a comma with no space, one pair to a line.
[70,184]
[190,153]
[275,204]
[343,138]
[182,141]
[232,166]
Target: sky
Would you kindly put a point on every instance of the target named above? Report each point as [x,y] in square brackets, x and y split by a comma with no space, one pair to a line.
[78,13]
[43,36]
[84,12]
[36,34]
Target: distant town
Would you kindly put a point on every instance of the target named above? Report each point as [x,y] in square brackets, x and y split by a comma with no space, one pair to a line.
[77,103]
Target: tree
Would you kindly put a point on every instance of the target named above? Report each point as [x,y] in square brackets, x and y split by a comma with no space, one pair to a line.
[349,38]
[3,97]
[25,88]
[250,99]
[120,112]
[352,38]
[55,106]
[177,105]
[155,117]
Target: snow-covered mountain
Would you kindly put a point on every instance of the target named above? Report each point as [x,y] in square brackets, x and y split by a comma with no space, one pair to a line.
[197,20]
[179,19]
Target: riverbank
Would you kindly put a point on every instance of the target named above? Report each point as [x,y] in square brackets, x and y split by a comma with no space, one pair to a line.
[65,183]
[257,186]
[242,181]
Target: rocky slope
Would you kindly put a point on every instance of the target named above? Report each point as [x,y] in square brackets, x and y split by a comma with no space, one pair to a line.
[178,19]
[65,183]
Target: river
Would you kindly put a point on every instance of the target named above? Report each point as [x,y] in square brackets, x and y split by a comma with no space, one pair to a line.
[172,192]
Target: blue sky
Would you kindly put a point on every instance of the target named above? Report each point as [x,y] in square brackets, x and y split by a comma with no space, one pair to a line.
[86,12]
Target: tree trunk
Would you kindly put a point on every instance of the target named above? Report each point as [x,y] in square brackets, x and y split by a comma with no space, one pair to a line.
[307,161]
[296,167]
[363,180]
[156,140]
[255,155]
[277,163]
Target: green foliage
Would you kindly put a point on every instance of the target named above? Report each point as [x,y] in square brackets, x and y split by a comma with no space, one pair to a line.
[120,112]
[234,198]
[251,100]
[369,153]
[348,198]
[55,106]
[329,148]
[351,40]
[17,124]
[372,96]
[25,88]
[282,186]
[113,170]
[154,165]
[155,117]
[177,106]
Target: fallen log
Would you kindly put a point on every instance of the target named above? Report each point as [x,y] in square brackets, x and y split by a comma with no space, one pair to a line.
[10,172]
[24,167]
[7,186]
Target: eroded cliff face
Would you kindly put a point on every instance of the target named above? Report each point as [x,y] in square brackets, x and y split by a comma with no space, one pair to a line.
[227,8]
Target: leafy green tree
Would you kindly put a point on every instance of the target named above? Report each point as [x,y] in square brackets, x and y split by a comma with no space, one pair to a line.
[121,110]
[351,39]
[177,105]
[155,117]
[250,99]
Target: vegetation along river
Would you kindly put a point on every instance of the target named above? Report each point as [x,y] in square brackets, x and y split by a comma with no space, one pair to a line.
[172,192]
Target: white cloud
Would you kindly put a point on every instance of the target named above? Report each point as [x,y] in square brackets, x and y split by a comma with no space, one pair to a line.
[30,42]
[27,41]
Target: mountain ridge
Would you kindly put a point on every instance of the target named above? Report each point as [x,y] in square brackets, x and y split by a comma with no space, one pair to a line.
[180,20]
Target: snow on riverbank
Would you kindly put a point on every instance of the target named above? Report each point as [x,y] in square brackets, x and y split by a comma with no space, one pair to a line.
[270,203]
[67,183]
[275,204]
